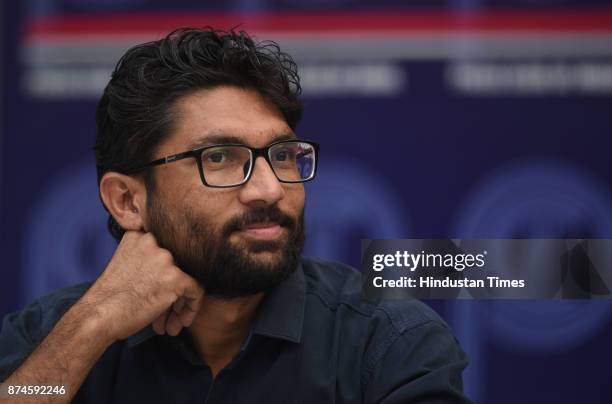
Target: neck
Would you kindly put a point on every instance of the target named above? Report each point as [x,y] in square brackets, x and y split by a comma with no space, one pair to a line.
[221,327]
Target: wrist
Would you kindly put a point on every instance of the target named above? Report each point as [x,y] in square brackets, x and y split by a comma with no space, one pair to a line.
[94,325]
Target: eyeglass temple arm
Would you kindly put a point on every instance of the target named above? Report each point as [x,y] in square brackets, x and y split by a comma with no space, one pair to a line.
[167,159]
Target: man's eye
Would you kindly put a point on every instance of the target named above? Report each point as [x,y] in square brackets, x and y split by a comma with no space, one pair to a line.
[284,155]
[216,157]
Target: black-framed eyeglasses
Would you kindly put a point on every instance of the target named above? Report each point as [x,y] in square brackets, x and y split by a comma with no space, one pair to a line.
[230,165]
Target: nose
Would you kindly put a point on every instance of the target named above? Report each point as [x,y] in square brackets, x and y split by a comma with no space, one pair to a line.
[263,187]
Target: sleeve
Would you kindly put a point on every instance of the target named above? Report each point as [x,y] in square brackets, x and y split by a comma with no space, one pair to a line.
[419,365]
[19,335]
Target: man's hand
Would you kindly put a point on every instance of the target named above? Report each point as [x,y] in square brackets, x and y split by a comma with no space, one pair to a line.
[141,285]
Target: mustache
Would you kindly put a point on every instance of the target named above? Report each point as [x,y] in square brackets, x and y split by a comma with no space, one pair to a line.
[268,214]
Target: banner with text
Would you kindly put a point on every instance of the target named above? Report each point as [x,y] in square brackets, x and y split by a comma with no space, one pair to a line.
[487,269]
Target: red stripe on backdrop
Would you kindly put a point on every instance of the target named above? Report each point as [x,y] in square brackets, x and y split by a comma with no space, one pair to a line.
[328,22]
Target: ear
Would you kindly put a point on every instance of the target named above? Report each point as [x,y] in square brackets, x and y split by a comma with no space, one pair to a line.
[125,197]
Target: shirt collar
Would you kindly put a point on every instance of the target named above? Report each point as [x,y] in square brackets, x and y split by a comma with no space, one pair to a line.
[280,314]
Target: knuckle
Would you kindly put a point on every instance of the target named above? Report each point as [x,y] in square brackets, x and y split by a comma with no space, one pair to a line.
[165,256]
[170,277]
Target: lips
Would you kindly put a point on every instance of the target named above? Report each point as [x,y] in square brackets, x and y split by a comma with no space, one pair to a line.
[267,223]
[264,231]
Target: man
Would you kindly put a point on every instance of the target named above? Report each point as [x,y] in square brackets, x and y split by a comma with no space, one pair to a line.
[207,297]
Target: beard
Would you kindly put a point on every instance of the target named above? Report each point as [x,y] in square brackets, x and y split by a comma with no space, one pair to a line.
[224,269]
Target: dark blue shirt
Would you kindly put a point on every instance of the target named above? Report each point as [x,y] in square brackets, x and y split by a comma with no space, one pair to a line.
[314,340]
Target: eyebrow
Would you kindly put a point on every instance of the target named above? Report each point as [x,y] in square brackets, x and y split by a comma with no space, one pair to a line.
[224,138]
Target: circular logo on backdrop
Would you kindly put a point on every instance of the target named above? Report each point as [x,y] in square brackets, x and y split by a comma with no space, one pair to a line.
[66,240]
[536,199]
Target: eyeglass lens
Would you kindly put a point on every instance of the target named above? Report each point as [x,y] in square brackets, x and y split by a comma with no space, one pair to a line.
[230,165]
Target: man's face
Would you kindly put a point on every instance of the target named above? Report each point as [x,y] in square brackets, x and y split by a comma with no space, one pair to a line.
[235,241]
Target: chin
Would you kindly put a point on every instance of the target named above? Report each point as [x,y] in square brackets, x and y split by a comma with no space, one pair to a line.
[270,257]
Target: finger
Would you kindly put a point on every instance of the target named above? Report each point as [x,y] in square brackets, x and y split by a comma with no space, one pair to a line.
[177,307]
[193,296]
[186,316]
[173,325]
[190,310]
[192,293]
[159,324]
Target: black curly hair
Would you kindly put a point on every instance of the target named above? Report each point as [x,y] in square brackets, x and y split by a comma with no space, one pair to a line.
[135,112]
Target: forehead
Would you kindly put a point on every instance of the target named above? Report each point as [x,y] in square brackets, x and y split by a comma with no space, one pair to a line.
[243,115]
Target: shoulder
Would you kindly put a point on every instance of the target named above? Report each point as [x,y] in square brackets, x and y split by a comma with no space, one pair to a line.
[402,336]
[338,284]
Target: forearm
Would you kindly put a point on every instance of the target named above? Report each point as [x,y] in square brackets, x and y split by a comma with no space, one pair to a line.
[140,286]
[64,357]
